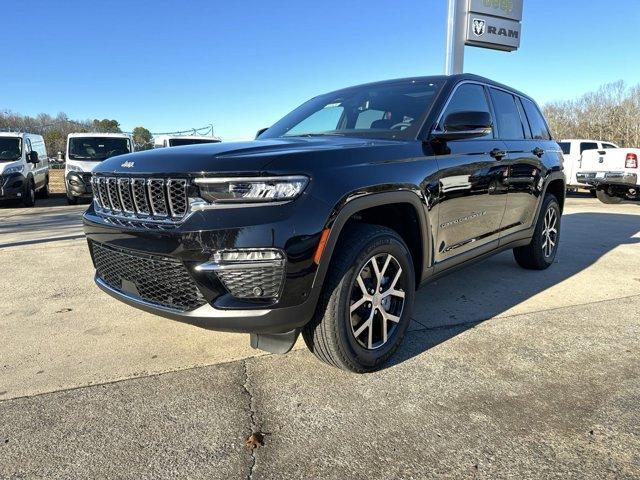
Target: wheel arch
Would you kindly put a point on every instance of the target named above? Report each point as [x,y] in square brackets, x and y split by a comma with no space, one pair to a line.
[364,208]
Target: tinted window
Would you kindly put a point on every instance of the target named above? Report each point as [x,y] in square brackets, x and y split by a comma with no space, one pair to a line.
[566,147]
[523,117]
[405,105]
[10,149]
[536,121]
[97,148]
[608,145]
[588,146]
[507,115]
[469,97]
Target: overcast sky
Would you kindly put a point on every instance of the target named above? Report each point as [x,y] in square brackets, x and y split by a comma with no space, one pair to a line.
[242,65]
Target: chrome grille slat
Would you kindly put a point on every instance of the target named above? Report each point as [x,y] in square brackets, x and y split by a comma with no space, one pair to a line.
[102,189]
[157,197]
[152,200]
[124,190]
[141,203]
[112,192]
[177,194]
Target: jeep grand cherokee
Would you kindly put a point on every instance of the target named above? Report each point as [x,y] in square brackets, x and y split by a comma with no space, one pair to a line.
[328,222]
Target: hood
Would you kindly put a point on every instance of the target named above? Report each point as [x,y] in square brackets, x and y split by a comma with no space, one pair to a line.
[241,157]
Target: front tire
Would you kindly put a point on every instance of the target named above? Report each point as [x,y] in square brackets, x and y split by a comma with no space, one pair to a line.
[604,197]
[365,306]
[29,196]
[542,250]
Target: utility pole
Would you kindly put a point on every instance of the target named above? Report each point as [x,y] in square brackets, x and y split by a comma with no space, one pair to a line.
[456,24]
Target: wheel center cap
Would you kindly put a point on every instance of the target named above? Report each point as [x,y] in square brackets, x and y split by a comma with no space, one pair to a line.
[377,300]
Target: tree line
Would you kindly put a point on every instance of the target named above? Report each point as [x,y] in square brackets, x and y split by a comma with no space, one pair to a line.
[55,129]
[611,113]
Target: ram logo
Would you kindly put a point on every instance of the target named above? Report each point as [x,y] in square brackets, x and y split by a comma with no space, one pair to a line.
[478,27]
[127,165]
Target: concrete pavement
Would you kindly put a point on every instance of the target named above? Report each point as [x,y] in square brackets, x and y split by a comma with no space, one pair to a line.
[505,373]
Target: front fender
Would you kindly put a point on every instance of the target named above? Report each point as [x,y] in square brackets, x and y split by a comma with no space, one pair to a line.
[358,201]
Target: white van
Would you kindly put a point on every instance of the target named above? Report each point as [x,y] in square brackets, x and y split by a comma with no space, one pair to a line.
[24,167]
[84,152]
[572,150]
[162,141]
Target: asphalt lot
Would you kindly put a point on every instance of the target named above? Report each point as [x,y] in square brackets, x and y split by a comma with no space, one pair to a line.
[505,373]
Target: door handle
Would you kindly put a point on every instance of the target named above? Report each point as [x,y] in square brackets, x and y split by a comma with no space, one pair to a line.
[538,152]
[497,153]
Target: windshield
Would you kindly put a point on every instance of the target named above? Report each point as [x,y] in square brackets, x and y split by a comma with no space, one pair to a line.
[392,110]
[10,149]
[97,148]
[178,142]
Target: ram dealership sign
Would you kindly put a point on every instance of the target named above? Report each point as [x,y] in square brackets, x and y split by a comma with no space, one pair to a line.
[494,24]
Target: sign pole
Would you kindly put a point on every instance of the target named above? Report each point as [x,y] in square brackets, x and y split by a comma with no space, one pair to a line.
[456,25]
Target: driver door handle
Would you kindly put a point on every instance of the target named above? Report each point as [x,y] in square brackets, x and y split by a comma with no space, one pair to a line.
[497,153]
[538,152]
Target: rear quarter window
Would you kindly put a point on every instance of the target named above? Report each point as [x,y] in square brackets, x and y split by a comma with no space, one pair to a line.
[539,129]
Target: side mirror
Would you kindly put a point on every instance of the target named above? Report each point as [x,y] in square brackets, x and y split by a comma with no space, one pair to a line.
[460,125]
[261,131]
[32,157]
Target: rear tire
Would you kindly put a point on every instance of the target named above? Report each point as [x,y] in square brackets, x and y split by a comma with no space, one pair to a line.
[542,250]
[604,197]
[29,196]
[593,192]
[364,309]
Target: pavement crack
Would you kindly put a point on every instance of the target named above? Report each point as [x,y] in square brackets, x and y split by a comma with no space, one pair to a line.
[253,427]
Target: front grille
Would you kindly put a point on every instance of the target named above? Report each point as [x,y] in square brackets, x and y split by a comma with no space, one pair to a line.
[156,199]
[155,279]
[257,282]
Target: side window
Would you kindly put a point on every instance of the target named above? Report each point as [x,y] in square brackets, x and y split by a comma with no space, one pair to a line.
[324,120]
[608,145]
[566,147]
[539,129]
[468,97]
[588,146]
[367,117]
[507,115]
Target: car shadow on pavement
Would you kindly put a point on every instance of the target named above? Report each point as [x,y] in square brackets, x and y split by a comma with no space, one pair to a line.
[474,294]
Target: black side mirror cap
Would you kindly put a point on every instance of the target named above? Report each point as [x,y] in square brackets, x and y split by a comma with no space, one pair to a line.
[469,124]
[261,131]
[32,157]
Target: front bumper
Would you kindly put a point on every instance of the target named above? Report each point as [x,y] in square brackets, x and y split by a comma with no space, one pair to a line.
[289,228]
[608,178]
[12,186]
[79,184]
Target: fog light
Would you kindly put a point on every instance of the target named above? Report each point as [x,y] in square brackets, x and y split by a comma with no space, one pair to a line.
[249,273]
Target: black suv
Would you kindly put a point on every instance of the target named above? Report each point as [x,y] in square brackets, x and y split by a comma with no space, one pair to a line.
[328,222]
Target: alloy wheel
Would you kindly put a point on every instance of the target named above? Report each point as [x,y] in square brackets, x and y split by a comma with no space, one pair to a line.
[377,301]
[550,232]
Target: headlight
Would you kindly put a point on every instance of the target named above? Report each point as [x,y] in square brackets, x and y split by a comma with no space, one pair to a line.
[74,168]
[251,189]
[16,169]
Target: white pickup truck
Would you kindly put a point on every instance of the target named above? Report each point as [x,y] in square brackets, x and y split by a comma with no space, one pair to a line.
[613,172]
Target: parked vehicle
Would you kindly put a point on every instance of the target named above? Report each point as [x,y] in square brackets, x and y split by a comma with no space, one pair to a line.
[24,167]
[613,172]
[84,152]
[162,141]
[330,220]
[572,150]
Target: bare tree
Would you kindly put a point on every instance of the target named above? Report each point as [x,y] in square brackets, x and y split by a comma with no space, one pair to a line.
[610,113]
